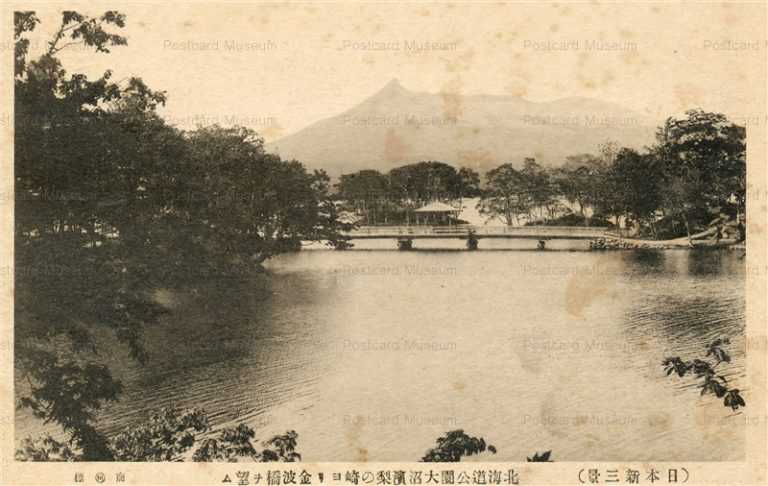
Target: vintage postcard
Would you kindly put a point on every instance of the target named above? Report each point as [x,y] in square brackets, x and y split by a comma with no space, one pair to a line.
[383,243]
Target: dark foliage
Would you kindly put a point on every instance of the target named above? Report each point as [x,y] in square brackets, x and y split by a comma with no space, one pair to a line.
[169,435]
[391,198]
[712,382]
[543,457]
[573,219]
[113,203]
[455,445]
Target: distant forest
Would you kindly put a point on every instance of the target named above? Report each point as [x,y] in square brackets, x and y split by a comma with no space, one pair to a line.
[693,174]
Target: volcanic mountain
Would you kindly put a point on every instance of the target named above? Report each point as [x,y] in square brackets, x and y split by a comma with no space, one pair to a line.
[396,126]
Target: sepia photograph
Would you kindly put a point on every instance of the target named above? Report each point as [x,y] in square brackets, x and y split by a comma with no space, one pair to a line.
[384,233]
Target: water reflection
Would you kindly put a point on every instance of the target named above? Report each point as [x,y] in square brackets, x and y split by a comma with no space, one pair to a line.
[371,354]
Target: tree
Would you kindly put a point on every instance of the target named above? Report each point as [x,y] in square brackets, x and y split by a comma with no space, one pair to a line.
[576,180]
[634,186]
[253,205]
[367,192]
[469,182]
[236,443]
[538,183]
[455,445]
[511,193]
[425,181]
[413,185]
[607,152]
[506,194]
[703,158]
[111,203]
[68,279]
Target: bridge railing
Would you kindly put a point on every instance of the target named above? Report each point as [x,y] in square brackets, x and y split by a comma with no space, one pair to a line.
[458,230]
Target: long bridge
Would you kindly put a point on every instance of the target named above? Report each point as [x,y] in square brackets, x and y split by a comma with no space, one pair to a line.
[406,234]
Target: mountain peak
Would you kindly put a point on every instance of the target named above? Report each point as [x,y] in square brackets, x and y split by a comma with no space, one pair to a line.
[393,86]
[396,126]
[390,92]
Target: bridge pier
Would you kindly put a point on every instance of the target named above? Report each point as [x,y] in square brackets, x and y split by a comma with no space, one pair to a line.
[472,241]
[404,244]
[541,234]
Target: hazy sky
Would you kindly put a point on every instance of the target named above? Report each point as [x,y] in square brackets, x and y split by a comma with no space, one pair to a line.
[279,68]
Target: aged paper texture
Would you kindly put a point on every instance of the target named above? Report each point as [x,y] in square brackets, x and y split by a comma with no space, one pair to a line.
[383,243]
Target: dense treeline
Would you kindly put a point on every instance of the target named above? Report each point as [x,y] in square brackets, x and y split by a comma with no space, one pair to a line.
[391,198]
[113,203]
[694,173]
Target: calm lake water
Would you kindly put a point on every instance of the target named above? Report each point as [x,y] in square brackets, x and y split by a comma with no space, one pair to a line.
[371,355]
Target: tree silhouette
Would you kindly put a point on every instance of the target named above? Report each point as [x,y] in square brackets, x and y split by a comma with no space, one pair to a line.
[712,382]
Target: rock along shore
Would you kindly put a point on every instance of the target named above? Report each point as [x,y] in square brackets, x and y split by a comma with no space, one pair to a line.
[615,243]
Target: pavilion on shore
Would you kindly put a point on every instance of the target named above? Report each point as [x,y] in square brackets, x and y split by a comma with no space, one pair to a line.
[437,213]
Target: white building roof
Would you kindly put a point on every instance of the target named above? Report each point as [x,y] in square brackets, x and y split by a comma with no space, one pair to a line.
[437,207]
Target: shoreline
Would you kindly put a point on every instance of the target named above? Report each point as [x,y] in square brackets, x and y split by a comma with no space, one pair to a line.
[619,243]
[608,243]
